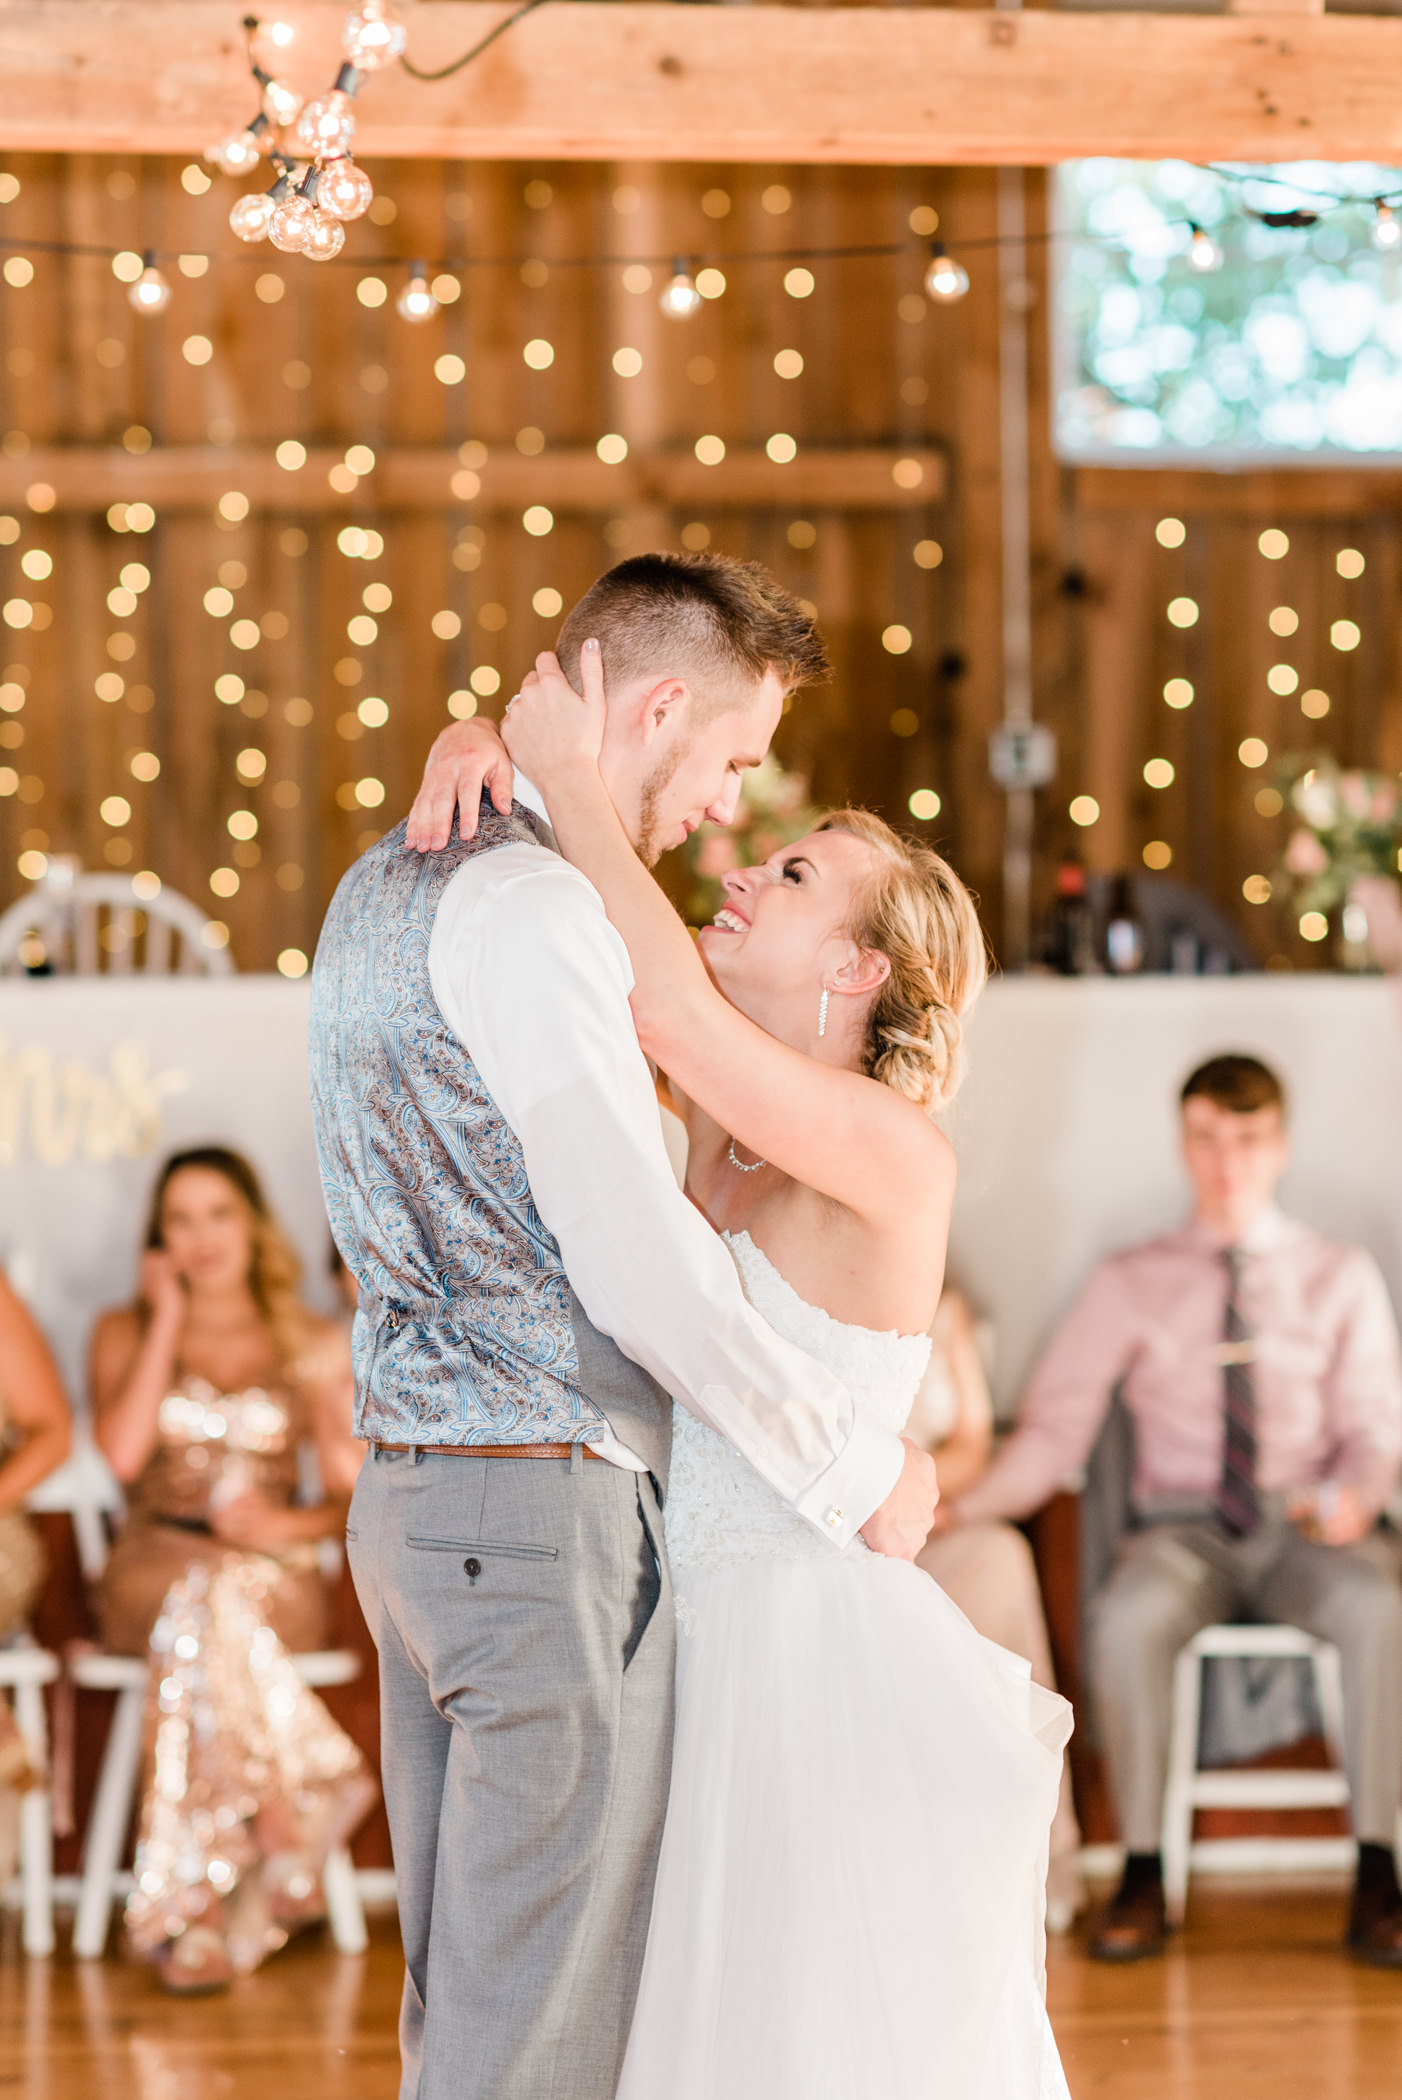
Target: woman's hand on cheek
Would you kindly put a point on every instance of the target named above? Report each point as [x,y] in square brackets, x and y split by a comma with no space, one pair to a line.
[161,1286]
[551,731]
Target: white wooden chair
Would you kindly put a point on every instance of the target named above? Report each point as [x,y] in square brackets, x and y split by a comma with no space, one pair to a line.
[1190,1788]
[102,1881]
[24,1671]
[70,924]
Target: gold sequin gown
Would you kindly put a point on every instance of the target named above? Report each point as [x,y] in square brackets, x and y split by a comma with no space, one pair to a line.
[247,1777]
[22,1572]
[22,1567]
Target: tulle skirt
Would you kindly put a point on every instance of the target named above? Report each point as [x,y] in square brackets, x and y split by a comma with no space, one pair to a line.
[850,1894]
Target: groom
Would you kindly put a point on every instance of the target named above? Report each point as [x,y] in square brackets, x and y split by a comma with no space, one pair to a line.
[533,1285]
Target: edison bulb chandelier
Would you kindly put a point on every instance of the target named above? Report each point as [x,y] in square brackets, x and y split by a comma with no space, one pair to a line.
[319,185]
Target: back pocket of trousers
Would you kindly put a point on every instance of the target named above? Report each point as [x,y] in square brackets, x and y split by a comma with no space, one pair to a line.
[493,1548]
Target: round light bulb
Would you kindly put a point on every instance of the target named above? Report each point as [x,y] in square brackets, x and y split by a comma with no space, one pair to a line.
[680,299]
[291,222]
[1387,227]
[281,104]
[373,38]
[325,238]
[150,294]
[416,302]
[327,123]
[345,190]
[1203,252]
[946,280]
[237,154]
[250,215]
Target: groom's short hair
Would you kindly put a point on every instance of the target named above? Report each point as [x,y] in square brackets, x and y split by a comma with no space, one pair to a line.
[717,622]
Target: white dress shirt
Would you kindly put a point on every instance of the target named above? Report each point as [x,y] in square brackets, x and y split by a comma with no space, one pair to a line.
[534,982]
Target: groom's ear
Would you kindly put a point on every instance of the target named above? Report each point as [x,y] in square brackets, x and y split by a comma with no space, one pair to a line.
[659,707]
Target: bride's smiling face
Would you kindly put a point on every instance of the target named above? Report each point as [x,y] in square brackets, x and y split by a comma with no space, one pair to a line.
[781,934]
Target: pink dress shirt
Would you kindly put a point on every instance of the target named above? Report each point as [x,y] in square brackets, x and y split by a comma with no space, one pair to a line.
[1327,1367]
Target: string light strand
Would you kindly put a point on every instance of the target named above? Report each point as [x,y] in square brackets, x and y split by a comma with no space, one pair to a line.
[311,200]
[456,65]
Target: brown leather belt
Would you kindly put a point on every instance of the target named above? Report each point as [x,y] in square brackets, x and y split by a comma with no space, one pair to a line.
[493,1450]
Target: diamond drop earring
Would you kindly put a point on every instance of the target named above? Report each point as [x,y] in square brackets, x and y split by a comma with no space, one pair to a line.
[823,1012]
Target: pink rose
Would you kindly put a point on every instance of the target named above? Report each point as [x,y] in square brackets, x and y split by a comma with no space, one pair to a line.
[1353,792]
[1304,855]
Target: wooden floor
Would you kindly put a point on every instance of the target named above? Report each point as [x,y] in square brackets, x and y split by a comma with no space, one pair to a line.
[1254,2003]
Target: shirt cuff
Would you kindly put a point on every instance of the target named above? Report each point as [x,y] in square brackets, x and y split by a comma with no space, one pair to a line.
[856,1484]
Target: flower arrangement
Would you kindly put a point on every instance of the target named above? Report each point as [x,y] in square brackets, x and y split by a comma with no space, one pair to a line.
[773,810]
[1349,826]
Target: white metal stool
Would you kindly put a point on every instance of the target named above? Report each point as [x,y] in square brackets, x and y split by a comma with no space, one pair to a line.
[126,1675]
[25,1670]
[1189,1788]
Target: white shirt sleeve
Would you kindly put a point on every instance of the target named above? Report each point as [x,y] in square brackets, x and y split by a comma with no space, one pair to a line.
[534,981]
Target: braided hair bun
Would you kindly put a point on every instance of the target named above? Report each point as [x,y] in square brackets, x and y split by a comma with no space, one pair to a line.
[917,913]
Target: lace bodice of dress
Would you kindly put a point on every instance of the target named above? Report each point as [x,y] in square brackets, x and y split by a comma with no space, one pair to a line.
[719,1511]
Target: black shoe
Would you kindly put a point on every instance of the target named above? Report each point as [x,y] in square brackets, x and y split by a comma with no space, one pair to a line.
[1134,1926]
[1375,1927]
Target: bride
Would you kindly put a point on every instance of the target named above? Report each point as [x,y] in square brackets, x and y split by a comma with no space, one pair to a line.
[849,1898]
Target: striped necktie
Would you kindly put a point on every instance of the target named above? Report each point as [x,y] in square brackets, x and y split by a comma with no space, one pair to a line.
[1238,1500]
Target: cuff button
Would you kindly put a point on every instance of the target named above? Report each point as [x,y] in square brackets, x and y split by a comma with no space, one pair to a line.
[834,1517]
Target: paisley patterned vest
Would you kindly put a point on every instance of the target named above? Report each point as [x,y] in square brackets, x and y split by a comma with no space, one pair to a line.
[468,1331]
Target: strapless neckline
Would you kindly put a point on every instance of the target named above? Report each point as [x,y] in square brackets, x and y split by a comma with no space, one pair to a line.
[756,1255]
[719,1511]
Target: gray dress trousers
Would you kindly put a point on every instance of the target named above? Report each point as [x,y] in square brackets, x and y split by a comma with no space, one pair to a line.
[526,1634]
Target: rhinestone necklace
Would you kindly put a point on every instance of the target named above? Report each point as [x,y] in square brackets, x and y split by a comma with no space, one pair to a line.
[753,1168]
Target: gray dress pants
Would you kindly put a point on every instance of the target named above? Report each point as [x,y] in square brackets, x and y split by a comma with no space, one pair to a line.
[524,1621]
[1172,1579]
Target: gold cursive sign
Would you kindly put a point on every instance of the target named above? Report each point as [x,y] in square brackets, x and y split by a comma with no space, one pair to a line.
[61,1108]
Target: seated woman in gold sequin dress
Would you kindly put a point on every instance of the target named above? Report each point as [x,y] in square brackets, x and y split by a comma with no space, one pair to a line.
[204,1393]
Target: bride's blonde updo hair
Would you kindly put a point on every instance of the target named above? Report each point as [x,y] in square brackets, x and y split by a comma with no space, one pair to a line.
[916,912]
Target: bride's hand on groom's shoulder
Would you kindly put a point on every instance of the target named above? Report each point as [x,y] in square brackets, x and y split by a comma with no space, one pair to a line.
[553,733]
[466,759]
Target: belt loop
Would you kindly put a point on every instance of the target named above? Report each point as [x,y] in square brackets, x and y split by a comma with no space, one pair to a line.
[418,1454]
[576,1458]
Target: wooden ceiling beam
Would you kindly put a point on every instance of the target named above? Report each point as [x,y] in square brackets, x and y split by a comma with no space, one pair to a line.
[1267,494]
[569,479]
[589,81]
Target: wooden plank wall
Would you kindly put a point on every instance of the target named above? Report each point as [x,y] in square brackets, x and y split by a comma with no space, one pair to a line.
[314,364]
[295,354]
[1219,816]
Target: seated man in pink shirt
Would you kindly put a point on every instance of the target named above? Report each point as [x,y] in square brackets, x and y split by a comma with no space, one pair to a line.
[1259,1362]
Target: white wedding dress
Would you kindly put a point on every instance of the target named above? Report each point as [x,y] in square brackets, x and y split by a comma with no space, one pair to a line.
[849,1900]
